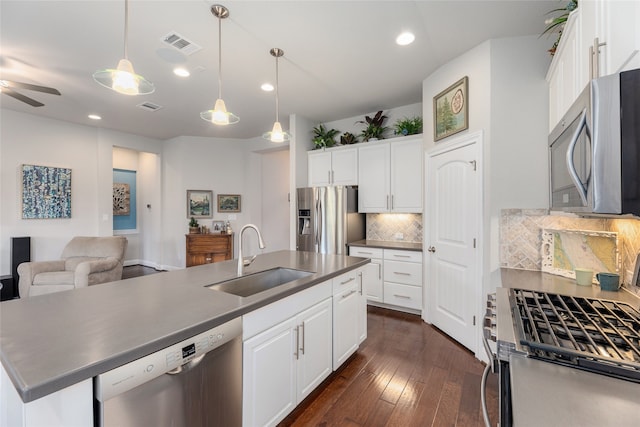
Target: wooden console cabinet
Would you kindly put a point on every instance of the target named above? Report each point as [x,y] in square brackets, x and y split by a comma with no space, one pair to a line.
[208,248]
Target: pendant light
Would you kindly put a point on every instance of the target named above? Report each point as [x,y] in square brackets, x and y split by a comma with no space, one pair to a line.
[219,115]
[123,79]
[277,134]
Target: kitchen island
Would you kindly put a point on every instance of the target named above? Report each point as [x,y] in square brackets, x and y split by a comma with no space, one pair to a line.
[51,342]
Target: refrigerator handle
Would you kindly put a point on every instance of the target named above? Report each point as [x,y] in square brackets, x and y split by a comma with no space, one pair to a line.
[319,230]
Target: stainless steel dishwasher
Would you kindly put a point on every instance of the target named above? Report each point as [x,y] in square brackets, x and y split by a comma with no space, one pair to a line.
[196,382]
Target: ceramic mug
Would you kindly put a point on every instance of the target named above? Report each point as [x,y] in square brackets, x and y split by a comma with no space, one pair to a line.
[609,281]
[584,277]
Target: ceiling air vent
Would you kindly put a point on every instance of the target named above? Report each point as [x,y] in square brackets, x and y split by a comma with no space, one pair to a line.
[149,106]
[180,43]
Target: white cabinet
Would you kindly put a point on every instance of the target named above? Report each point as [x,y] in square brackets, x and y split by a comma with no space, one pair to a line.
[286,354]
[390,176]
[335,166]
[403,278]
[615,27]
[346,303]
[372,272]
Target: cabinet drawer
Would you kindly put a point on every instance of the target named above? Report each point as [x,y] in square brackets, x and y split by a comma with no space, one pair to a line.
[403,295]
[407,256]
[342,281]
[407,273]
[365,252]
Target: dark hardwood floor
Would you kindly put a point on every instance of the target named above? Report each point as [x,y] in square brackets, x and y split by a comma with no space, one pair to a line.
[406,373]
[138,270]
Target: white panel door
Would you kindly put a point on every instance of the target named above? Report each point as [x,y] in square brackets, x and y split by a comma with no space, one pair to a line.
[314,347]
[453,216]
[406,176]
[373,178]
[269,375]
[319,165]
[344,166]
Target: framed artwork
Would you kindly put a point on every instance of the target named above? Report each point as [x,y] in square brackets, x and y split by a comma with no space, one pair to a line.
[46,192]
[451,110]
[121,198]
[229,203]
[217,226]
[199,203]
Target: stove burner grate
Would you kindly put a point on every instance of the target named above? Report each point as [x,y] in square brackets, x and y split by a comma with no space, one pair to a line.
[593,334]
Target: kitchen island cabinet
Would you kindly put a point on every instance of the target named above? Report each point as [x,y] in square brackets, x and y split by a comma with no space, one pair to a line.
[44,339]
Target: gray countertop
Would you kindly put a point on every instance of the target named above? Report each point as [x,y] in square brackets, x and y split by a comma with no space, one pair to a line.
[545,282]
[383,244]
[52,341]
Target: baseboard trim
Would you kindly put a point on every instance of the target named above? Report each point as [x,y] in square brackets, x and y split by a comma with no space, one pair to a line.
[394,307]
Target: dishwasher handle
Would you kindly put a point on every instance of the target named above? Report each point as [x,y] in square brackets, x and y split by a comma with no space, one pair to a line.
[187,366]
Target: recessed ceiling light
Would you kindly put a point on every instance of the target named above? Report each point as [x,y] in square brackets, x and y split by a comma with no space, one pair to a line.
[267,87]
[182,72]
[405,38]
[94,117]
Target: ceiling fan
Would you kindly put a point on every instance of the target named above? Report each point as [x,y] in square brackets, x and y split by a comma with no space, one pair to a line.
[7,87]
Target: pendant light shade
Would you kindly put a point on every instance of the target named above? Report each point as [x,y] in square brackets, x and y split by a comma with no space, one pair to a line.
[219,114]
[277,134]
[123,79]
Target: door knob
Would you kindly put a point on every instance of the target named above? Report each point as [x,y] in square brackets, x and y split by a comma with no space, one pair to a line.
[431,249]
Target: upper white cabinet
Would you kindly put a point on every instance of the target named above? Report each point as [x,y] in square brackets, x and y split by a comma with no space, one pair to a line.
[335,166]
[600,37]
[390,176]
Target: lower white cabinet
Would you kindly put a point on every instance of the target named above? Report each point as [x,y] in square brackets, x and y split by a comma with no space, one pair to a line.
[372,272]
[283,364]
[346,304]
[403,278]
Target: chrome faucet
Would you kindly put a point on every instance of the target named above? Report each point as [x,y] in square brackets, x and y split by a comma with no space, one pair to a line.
[241,261]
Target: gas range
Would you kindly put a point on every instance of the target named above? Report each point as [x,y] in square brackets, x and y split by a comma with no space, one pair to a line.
[596,335]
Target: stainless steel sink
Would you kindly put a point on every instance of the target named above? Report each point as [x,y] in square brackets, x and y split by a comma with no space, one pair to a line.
[252,284]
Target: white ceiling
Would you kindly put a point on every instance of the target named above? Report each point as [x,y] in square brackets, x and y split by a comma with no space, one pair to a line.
[340,58]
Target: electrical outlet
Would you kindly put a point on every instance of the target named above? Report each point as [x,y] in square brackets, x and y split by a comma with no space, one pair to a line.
[399,236]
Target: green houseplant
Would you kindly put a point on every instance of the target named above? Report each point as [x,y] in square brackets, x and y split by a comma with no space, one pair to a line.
[348,138]
[194,227]
[557,23]
[375,128]
[323,137]
[408,126]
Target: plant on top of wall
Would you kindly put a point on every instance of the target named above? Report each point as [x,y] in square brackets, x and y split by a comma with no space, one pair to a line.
[375,128]
[323,137]
[408,126]
[557,23]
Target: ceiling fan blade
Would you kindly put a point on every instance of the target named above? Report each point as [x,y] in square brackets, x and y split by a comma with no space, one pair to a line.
[21,97]
[37,88]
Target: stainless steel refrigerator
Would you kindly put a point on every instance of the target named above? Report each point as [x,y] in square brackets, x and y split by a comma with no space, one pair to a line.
[328,219]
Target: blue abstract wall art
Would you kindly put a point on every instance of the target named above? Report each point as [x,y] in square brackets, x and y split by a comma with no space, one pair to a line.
[46,192]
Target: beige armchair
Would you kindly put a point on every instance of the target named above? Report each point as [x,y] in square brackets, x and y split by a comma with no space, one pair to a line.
[85,261]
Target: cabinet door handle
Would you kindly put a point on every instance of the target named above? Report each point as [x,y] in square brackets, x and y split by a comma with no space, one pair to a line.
[333,177]
[379,271]
[207,259]
[401,273]
[349,294]
[297,353]
[350,279]
[363,252]
[402,256]
[303,338]
[392,201]
[401,296]
[360,279]
[387,206]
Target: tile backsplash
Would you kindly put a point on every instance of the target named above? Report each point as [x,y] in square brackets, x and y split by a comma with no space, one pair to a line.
[521,237]
[388,226]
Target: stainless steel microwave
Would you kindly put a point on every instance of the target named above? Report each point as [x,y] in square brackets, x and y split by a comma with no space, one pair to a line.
[594,152]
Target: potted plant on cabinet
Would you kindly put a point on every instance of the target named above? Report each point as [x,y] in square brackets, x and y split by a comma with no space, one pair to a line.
[194,227]
[375,128]
[323,137]
[408,126]
[348,138]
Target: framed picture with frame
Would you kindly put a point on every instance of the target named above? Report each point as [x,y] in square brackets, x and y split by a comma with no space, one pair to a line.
[229,203]
[451,110]
[199,203]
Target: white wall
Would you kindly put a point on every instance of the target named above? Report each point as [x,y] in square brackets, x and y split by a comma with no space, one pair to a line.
[275,200]
[29,139]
